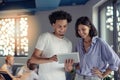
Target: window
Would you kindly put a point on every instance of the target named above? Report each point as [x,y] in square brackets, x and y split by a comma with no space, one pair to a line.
[106,22]
[14,36]
[118,24]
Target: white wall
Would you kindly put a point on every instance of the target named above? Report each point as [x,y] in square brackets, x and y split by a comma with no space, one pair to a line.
[39,23]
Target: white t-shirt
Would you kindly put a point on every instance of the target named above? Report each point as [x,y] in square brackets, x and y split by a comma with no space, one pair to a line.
[52,45]
[33,76]
[22,70]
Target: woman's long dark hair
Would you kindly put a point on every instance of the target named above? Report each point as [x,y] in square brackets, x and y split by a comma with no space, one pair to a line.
[85,21]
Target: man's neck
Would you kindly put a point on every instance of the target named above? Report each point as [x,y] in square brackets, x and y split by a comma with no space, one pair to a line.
[61,37]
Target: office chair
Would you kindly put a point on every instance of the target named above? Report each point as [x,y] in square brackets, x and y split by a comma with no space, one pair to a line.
[4,76]
[1,77]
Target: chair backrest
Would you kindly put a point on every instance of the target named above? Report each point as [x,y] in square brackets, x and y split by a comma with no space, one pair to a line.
[5,75]
[1,77]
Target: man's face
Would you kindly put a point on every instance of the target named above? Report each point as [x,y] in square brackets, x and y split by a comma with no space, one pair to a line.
[60,28]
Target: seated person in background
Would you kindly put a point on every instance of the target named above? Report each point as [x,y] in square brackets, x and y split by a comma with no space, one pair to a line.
[24,69]
[7,67]
[28,72]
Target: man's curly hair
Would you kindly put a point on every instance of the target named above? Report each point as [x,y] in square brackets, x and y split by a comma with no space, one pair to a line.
[59,15]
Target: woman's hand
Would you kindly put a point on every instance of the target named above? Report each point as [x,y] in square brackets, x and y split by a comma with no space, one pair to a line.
[97,72]
[69,65]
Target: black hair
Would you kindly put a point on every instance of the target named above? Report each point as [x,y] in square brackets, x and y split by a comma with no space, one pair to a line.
[32,66]
[85,21]
[59,15]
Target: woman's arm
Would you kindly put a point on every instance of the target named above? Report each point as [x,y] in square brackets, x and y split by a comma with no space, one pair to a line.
[100,74]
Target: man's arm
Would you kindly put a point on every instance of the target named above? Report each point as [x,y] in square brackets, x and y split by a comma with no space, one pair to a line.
[38,59]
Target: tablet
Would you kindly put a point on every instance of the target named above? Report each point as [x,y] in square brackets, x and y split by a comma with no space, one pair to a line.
[74,55]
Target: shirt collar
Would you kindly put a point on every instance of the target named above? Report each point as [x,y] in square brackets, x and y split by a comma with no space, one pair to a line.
[94,39]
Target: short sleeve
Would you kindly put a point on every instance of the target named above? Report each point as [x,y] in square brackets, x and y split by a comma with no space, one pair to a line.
[42,41]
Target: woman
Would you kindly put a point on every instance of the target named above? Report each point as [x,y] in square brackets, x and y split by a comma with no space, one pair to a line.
[97,58]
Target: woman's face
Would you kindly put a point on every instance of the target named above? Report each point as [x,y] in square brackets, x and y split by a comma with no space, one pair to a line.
[83,31]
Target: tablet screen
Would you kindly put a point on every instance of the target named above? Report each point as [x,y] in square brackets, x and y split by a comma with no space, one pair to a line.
[73,55]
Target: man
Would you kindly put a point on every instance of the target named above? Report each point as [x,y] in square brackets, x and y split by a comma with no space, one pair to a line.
[49,45]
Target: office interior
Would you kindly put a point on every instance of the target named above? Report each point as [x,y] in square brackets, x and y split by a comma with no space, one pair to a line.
[27,19]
